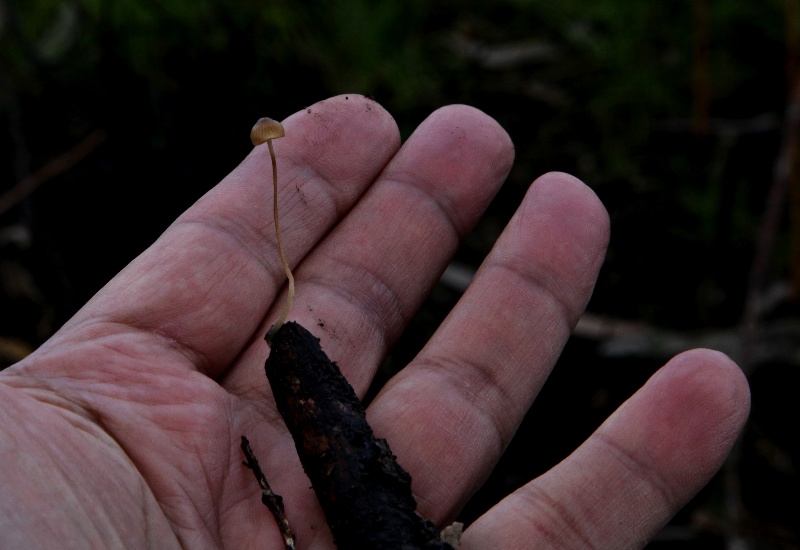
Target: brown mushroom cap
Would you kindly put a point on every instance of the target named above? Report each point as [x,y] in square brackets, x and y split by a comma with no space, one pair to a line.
[266,129]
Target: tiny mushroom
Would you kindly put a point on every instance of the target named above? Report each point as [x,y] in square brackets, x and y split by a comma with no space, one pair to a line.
[265,130]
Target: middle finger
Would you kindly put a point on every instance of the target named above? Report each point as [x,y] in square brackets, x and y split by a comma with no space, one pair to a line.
[359,288]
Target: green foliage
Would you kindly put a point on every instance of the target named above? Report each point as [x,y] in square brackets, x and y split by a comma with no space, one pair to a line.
[599,88]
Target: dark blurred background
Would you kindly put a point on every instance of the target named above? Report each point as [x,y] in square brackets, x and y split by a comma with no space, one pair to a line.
[116,115]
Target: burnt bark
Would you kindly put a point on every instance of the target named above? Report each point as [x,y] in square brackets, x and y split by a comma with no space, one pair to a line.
[365,494]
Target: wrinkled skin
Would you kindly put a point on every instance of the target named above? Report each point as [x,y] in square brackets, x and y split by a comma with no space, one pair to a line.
[123,429]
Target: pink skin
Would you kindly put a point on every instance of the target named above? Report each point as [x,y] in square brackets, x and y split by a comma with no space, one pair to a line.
[123,429]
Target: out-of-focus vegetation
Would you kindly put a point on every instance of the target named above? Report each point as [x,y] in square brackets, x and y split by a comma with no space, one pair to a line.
[672,112]
[600,89]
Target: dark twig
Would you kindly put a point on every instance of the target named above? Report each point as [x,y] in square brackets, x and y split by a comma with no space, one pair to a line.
[271,500]
[769,229]
[53,168]
[701,70]
[365,494]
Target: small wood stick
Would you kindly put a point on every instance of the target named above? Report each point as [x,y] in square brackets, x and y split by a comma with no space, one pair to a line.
[271,500]
[365,494]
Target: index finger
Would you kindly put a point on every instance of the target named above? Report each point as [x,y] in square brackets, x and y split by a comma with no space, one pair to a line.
[208,281]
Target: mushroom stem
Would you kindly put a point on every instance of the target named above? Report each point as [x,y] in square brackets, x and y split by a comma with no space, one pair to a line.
[265,130]
[286,269]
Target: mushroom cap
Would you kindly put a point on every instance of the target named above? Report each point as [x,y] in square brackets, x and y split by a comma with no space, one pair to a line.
[266,129]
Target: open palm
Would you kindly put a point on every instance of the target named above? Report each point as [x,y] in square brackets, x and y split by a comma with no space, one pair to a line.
[123,429]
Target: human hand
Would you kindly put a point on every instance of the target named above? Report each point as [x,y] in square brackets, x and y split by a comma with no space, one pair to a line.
[123,429]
